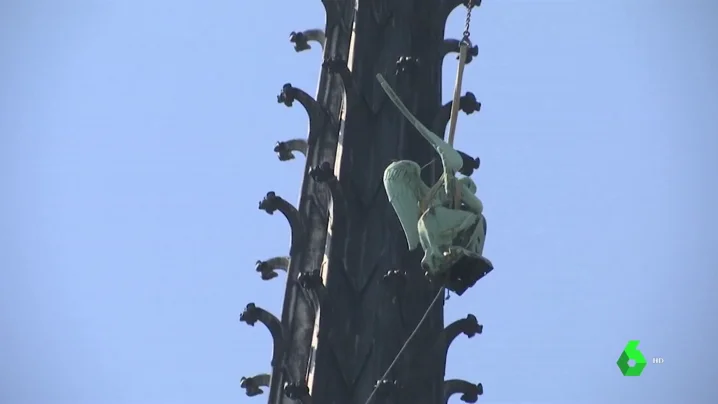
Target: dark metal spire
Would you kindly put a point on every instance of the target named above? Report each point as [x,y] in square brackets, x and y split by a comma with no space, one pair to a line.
[354,293]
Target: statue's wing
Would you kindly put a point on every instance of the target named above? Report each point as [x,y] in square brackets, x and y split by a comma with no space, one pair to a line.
[405,189]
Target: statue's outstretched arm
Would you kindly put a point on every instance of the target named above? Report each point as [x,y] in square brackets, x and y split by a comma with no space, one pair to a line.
[450,158]
[471,201]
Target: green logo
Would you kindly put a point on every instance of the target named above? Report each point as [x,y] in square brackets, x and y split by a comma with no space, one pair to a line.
[631,352]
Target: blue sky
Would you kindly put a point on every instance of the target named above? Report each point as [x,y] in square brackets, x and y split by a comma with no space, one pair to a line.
[136,140]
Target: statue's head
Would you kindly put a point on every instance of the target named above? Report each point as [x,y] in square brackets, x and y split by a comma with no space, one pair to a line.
[469,183]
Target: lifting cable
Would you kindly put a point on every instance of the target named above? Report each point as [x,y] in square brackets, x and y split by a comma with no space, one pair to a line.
[403,347]
[463,52]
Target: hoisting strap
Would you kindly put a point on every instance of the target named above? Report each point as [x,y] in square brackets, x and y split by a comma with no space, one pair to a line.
[455,106]
[463,51]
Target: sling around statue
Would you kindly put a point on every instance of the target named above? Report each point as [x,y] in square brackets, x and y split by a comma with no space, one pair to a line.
[446,219]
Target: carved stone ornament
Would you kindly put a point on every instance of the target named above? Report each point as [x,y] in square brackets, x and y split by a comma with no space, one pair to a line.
[447,6]
[252,314]
[298,392]
[339,66]
[317,115]
[468,326]
[285,150]
[301,39]
[268,268]
[468,104]
[407,65]
[272,203]
[453,46]
[324,174]
[469,392]
[395,279]
[252,385]
[386,388]
[312,280]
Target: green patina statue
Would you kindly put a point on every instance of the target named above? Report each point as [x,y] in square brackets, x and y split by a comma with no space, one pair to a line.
[446,219]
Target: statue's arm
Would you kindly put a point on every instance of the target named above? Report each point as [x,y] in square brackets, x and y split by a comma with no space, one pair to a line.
[470,200]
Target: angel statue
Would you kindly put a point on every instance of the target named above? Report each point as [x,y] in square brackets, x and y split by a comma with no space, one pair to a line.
[446,219]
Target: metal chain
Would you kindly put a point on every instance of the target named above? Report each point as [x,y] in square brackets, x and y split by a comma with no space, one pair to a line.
[467,25]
